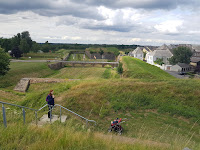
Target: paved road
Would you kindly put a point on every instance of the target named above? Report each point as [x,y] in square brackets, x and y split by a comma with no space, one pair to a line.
[176,75]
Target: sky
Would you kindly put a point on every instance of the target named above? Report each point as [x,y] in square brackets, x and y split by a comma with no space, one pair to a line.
[143,22]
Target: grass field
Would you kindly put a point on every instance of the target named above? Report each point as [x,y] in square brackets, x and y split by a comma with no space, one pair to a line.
[20,70]
[158,107]
[86,73]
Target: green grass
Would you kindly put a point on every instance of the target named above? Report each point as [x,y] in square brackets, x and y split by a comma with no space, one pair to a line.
[137,69]
[21,70]
[65,137]
[104,100]
[80,73]
[159,108]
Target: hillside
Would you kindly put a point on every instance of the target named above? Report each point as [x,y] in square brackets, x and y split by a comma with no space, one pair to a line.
[160,109]
[135,68]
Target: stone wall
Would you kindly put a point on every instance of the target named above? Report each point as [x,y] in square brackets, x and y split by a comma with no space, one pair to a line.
[24,83]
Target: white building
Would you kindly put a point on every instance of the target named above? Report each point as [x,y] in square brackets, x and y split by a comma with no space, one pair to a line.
[162,52]
[137,53]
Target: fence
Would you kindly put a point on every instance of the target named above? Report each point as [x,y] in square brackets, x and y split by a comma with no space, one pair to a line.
[36,112]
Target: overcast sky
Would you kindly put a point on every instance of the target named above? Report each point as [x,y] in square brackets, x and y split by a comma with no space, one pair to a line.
[146,22]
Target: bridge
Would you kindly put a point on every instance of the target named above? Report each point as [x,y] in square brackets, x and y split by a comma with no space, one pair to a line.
[57,64]
[60,64]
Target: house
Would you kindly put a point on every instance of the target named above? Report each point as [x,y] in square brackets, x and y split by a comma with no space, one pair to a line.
[162,52]
[181,67]
[137,53]
[195,60]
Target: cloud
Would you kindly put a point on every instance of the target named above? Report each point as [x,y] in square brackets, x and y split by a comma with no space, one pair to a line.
[103,21]
[169,26]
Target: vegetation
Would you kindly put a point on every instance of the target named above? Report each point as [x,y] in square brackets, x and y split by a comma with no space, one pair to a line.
[20,70]
[4,62]
[16,53]
[58,136]
[103,50]
[159,61]
[181,55]
[120,68]
[134,68]
[158,107]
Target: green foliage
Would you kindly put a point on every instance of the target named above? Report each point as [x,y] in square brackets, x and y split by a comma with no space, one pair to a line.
[101,52]
[159,61]
[181,55]
[4,62]
[16,52]
[24,47]
[46,47]
[35,47]
[120,68]
[107,74]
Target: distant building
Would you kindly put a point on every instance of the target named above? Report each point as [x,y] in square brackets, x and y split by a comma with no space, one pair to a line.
[162,52]
[137,53]
[181,67]
[195,60]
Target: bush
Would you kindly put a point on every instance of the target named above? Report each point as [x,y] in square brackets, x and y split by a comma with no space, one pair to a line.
[4,62]
[120,68]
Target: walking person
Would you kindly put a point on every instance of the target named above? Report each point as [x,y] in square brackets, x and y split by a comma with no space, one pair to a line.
[50,101]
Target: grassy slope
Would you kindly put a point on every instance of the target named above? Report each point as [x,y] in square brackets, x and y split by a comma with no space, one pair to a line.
[20,70]
[135,68]
[163,111]
[85,73]
[66,137]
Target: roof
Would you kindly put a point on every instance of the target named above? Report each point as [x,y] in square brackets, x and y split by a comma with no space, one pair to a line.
[150,48]
[172,46]
[183,65]
[137,50]
[195,59]
[163,47]
[162,53]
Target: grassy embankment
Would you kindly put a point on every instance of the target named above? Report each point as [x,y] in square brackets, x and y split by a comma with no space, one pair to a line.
[20,70]
[161,108]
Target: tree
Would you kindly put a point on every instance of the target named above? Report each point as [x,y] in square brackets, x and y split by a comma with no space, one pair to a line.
[16,52]
[24,47]
[4,62]
[6,44]
[45,47]
[101,52]
[35,47]
[181,55]
[120,68]
[159,61]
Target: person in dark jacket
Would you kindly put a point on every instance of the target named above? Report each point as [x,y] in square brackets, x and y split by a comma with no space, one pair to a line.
[50,101]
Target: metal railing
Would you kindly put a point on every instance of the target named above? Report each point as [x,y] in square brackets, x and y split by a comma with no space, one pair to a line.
[37,110]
